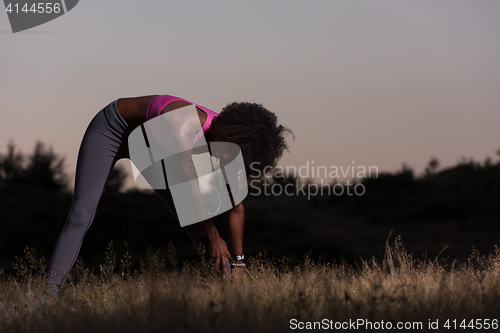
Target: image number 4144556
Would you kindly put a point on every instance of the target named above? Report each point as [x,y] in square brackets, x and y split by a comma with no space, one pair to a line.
[27,14]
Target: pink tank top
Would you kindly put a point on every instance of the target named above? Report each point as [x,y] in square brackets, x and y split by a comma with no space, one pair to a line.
[158,103]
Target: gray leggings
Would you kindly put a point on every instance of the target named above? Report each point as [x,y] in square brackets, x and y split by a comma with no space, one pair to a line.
[104,143]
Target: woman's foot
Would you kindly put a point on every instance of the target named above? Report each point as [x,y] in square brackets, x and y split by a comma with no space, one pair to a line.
[50,300]
[42,303]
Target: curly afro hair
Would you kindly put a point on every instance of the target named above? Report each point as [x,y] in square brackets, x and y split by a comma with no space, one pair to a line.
[255,130]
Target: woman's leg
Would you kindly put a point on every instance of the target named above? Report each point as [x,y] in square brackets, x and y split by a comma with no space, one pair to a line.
[104,142]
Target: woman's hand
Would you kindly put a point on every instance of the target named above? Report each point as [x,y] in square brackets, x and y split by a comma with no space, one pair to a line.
[218,251]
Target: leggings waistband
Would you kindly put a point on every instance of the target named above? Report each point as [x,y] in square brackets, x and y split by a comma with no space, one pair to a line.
[115,120]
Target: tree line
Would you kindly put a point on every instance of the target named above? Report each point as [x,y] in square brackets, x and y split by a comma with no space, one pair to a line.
[35,199]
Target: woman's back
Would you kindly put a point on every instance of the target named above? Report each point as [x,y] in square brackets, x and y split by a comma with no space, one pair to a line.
[134,109]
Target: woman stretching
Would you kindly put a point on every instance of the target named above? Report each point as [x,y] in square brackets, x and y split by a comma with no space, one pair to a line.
[250,126]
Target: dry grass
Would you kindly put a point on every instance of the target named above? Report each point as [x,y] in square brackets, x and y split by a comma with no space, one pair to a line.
[191,299]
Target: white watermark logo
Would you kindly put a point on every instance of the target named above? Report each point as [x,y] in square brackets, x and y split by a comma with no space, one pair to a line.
[169,153]
[328,176]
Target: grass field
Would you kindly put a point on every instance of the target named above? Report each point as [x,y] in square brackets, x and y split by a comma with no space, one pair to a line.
[272,297]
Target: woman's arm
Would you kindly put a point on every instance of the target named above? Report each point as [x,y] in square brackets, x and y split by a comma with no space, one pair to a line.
[182,128]
[216,246]
[236,222]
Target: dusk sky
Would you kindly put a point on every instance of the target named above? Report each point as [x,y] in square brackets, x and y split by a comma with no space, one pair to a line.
[379,83]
